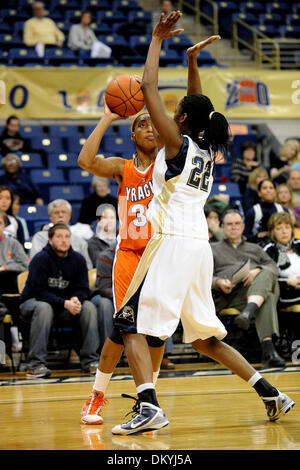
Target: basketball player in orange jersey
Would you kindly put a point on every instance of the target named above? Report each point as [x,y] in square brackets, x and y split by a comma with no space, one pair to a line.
[135,192]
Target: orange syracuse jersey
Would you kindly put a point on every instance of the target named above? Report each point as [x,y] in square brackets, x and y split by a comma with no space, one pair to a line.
[134,196]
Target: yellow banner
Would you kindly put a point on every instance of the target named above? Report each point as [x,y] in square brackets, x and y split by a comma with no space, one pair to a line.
[77,93]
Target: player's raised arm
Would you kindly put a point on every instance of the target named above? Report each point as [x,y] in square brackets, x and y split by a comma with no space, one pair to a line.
[88,159]
[194,81]
[165,125]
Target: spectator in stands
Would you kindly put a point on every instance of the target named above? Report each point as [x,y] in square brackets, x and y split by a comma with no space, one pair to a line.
[105,235]
[166,7]
[40,31]
[285,251]
[14,227]
[294,184]
[11,141]
[289,160]
[100,195]
[215,232]
[20,183]
[59,212]
[82,37]
[284,196]
[256,295]
[13,259]
[256,219]
[220,201]
[57,289]
[15,210]
[242,168]
[251,197]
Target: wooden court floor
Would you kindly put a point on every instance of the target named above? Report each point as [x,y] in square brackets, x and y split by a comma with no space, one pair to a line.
[207,409]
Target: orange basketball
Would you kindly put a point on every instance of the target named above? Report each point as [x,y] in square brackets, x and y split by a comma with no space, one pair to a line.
[124,95]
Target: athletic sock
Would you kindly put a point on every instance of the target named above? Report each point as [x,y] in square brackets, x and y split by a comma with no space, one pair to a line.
[101,381]
[148,394]
[262,386]
[251,308]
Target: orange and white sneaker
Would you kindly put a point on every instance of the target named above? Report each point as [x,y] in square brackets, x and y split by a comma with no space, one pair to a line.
[91,410]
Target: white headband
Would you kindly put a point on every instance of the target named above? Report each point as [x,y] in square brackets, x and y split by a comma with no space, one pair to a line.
[211,114]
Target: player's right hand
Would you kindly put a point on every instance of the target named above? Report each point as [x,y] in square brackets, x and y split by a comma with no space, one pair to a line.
[110,114]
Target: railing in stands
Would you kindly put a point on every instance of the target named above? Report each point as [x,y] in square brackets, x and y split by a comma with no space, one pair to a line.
[267,52]
[199,14]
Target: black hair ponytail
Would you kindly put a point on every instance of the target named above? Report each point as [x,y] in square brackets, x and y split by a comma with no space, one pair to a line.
[201,118]
[217,133]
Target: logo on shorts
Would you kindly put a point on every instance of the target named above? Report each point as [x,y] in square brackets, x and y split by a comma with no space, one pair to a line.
[127,314]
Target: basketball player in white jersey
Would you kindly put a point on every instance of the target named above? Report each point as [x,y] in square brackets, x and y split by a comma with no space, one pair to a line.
[174,277]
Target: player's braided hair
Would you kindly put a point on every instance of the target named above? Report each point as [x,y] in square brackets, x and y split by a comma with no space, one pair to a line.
[201,117]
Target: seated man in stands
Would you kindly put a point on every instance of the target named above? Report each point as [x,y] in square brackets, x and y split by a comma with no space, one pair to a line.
[105,235]
[257,294]
[57,289]
[100,195]
[59,212]
[40,31]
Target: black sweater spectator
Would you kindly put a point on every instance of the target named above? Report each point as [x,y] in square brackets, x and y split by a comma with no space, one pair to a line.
[64,277]
[242,168]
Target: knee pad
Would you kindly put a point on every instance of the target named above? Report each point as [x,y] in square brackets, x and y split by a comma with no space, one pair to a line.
[116,336]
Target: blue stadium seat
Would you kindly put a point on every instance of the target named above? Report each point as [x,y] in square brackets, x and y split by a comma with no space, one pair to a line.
[63,5]
[80,176]
[267,29]
[7,41]
[10,15]
[132,60]
[229,188]
[32,132]
[225,12]
[33,212]
[63,131]
[31,160]
[222,169]
[126,6]
[57,56]
[72,16]
[170,58]
[72,193]
[140,16]
[75,213]
[3,57]
[179,43]
[97,5]
[21,56]
[140,43]
[118,44]
[74,145]
[44,179]
[248,18]
[117,145]
[50,145]
[293,19]
[255,8]
[290,31]
[64,26]
[205,58]
[62,160]
[239,139]
[279,8]
[110,16]
[5,28]
[270,18]
[49,176]
[100,29]
[84,57]
[37,226]
[124,130]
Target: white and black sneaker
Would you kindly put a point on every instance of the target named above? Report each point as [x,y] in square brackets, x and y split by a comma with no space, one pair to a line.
[277,406]
[147,417]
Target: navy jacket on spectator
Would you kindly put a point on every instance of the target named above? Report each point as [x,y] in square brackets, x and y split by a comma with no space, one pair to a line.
[53,279]
[89,207]
[21,185]
[254,225]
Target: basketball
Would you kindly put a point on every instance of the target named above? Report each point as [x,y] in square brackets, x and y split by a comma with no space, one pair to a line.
[124,95]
